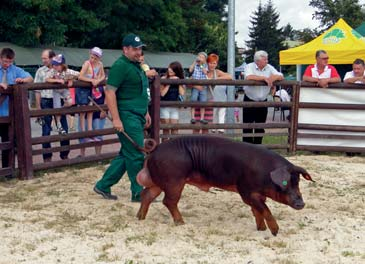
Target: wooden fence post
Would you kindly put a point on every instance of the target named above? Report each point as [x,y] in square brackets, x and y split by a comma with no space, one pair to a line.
[294,119]
[155,109]
[23,137]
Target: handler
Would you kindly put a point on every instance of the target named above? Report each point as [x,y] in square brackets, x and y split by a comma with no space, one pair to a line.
[127,100]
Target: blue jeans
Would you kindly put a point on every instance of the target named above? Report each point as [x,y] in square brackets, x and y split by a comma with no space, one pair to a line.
[197,95]
[47,103]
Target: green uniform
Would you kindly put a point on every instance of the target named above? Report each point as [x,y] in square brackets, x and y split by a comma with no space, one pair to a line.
[130,84]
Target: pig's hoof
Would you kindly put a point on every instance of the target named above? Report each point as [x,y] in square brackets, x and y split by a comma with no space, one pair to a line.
[179,222]
[275,232]
[261,227]
[140,216]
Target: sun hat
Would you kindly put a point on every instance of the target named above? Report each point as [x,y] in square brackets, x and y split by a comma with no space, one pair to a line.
[96,51]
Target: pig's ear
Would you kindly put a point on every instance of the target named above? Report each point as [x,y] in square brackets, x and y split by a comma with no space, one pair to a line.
[304,173]
[281,177]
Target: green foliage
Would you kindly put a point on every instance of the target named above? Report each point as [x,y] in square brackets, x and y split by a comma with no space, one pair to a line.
[329,11]
[264,33]
[164,25]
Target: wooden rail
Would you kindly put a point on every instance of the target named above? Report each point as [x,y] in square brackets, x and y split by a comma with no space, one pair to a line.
[28,146]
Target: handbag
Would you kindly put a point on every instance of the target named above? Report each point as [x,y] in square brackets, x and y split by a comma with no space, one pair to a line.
[96,91]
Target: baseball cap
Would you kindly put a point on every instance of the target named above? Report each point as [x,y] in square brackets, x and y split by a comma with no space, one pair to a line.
[58,59]
[96,51]
[132,40]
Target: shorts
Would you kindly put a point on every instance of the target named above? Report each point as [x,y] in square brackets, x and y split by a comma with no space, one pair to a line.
[82,95]
[201,96]
[61,94]
[169,113]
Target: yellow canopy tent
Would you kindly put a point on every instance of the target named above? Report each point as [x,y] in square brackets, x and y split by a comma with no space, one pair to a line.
[342,43]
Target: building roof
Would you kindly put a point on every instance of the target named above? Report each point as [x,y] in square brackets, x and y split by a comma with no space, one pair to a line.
[75,56]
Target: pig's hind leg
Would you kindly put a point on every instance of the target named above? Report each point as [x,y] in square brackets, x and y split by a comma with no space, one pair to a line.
[147,196]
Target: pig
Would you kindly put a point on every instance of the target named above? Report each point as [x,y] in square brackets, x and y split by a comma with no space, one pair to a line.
[209,161]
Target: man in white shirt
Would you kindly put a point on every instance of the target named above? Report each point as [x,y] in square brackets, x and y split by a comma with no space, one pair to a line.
[357,75]
[259,70]
[44,100]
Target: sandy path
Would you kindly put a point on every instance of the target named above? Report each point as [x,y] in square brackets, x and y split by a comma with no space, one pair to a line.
[58,219]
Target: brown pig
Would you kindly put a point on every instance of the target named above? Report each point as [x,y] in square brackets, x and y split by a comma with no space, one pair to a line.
[206,161]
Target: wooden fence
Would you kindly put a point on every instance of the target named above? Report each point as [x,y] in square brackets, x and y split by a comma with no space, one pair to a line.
[28,145]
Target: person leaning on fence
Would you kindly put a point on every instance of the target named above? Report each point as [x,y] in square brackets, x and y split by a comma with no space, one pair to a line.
[127,100]
[219,91]
[62,75]
[357,75]
[199,71]
[259,70]
[44,100]
[9,74]
[171,92]
[321,73]
[92,71]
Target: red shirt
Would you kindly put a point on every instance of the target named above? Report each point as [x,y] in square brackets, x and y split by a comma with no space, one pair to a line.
[329,72]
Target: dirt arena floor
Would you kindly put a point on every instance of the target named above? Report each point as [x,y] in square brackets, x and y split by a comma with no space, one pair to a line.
[57,218]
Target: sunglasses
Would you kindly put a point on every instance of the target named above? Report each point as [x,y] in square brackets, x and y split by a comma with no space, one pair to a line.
[325,58]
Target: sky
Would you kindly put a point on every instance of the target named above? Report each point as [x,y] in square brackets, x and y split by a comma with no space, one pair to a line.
[297,13]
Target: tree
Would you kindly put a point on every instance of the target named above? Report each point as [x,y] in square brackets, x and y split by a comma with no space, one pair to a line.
[174,25]
[329,11]
[265,34]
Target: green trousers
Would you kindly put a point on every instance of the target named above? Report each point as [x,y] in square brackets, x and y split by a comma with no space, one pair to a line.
[129,158]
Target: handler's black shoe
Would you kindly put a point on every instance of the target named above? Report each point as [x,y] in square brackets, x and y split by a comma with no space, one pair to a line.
[105,195]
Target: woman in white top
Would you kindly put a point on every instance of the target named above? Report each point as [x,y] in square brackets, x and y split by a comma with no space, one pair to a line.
[219,92]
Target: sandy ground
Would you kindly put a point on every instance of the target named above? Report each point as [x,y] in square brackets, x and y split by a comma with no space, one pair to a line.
[57,218]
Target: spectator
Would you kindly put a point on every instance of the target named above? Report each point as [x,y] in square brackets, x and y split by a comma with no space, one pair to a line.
[62,75]
[199,71]
[99,119]
[127,100]
[44,100]
[219,92]
[236,109]
[92,71]
[150,73]
[357,75]
[170,115]
[321,73]
[259,70]
[9,74]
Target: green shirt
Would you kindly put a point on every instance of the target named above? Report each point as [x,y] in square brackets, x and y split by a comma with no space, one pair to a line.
[131,84]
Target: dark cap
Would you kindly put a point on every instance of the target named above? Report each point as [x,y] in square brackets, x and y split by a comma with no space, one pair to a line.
[132,40]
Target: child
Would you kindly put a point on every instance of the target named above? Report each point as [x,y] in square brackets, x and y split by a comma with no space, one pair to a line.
[92,71]
[61,74]
[199,71]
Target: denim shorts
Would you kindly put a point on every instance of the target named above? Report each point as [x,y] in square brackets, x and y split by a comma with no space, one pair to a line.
[169,113]
[81,96]
[201,96]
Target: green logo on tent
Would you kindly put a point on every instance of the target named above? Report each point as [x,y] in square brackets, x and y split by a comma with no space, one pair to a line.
[334,36]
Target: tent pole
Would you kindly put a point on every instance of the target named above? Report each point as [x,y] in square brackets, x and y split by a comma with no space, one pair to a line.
[299,72]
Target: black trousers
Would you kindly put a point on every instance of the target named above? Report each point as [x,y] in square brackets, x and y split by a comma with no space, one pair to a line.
[4,134]
[253,115]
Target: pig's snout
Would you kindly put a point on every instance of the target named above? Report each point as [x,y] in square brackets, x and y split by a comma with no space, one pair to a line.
[144,178]
[298,204]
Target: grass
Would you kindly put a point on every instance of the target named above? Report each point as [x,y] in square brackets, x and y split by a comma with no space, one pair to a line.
[147,239]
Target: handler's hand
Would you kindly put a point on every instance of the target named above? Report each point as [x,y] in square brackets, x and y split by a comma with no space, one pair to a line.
[148,120]
[118,125]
